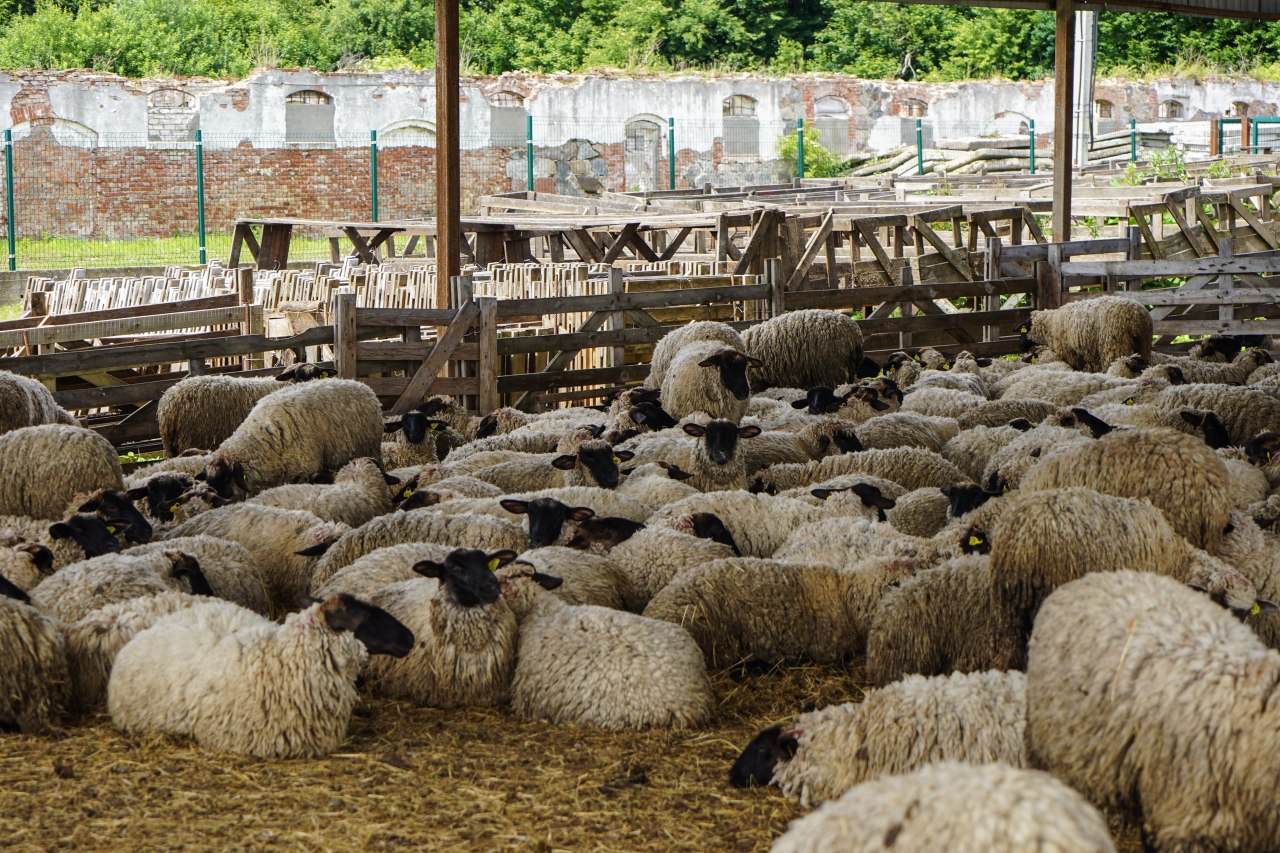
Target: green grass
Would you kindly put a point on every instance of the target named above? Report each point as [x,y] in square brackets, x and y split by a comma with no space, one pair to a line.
[66,252]
[10,311]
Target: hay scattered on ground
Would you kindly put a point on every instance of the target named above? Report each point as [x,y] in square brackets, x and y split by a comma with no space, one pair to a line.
[411,777]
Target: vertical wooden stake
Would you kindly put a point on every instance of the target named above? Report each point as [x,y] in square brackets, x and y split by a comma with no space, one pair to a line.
[617,321]
[448,170]
[344,335]
[487,362]
[1063,101]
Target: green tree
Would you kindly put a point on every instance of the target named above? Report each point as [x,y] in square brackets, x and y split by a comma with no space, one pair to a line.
[872,39]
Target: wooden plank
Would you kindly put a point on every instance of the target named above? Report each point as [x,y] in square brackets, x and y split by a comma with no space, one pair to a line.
[394,386]
[620,242]
[1217,327]
[45,335]
[1004,318]
[487,355]
[953,257]
[763,230]
[810,254]
[346,356]
[525,382]
[412,351]
[140,392]
[1179,296]
[674,245]
[1256,263]
[228,301]
[399,317]
[625,301]
[564,358]
[868,235]
[421,381]
[1264,231]
[577,341]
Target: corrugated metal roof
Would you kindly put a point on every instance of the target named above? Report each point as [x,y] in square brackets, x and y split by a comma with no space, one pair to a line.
[1256,9]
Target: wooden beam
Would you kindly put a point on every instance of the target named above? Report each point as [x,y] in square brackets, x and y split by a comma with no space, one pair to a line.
[1064,55]
[448,155]
[420,384]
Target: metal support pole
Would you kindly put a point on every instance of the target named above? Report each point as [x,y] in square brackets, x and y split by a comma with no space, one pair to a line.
[919,148]
[800,147]
[8,199]
[373,174]
[528,154]
[1133,140]
[671,152]
[204,254]
[1031,146]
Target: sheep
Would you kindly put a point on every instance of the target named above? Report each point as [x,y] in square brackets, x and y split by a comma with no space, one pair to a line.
[446,408]
[801,349]
[972,449]
[79,537]
[358,494]
[936,622]
[34,681]
[592,665]
[448,488]
[594,463]
[520,441]
[585,578]
[970,383]
[189,464]
[414,442]
[656,484]
[717,464]
[465,634]
[906,429]
[1239,371]
[1179,474]
[25,402]
[284,542]
[921,512]
[940,402]
[380,568]
[550,511]
[298,433]
[24,563]
[910,467]
[230,568]
[419,525]
[46,467]
[238,683]
[995,413]
[1090,334]
[838,541]
[71,593]
[992,808]
[649,556]
[772,610]
[1058,387]
[975,718]
[94,640]
[814,438]
[1007,466]
[1113,650]
[665,351]
[707,377]
[1244,411]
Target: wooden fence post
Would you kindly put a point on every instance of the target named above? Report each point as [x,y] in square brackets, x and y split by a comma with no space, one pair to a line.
[777,290]
[344,334]
[487,361]
[617,321]
[992,303]
[1049,286]
[244,289]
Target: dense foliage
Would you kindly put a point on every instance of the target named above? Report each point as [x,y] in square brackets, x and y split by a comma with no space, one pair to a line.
[870,39]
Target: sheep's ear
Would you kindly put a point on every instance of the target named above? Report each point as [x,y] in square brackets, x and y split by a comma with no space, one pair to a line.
[392,426]
[754,362]
[498,559]
[60,530]
[1263,606]
[983,362]
[546,581]
[564,463]
[623,456]
[315,550]
[871,496]
[821,494]
[434,425]
[287,374]
[136,494]
[1020,424]
[581,513]
[801,404]
[694,430]
[713,361]
[513,506]
[749,431]
[8,589]
[429,568]
[91,505]
[390,479]
[877,404]
[674,471]
[237,477]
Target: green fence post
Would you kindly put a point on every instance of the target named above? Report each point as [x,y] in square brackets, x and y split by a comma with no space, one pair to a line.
[528,154]
[1031,147]
[8,198]
[671,152]
[800,146]
[1133,140]
[204,252]
[919,148]
[373,173]
[1253,137]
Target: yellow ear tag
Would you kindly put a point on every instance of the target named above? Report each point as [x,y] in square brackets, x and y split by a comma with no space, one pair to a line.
[111,530]
[493,564]
[1255,610]
[616,459]
[1268,455]
[1004,488]
[433,427]
[946,365]
[974,541]
[406,493]
[1033,359]
[1129,402]
[174,508]
[325,374]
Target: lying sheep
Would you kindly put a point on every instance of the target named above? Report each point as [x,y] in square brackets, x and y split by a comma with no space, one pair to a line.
[995,413]
[707,377]
[717,463]
[839,541]
[298,433]
[585,578]
[380,568]
[941,402]
[1244,411]
[801,349]
[24,563]
[248,685]
[601,667]
[906,429]
[1010,463]
[79,537]
[465,633]
[230,568]
[46,467]
[79,589]
[25,402]
[910,467]
[671,343]
[976,718]
[959,808]
[656,484]
[920,512]
[594,463]
[34,683]
[972,449]
[1115,649]
[1090,334]
[358,494]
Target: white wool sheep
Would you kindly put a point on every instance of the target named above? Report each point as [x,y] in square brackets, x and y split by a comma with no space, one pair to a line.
[1092,333]
[610,668]
[801,349]
[34,682]
[941,402]
[707,377]
[960,808]
[907,429]
[977,718]
[237,682]
[654,484]
[379,568]
[79,589]
[24,563]
[586,578]
[358,494]
[672,342]
[46,467]
[230,568]
[77,538]
[910,467]
[298,433]
[25,402]
[1154,702]
[203,411]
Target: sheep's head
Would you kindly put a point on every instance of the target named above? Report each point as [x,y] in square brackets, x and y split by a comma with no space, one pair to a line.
[607,531]
[322,536]
[966,498]
[867,369]
[599,459]
[708,525]
[733,370]
[416,426]
[224,475]
[8,589]
[821,401]
[651,415]
[467,575]
[1025,341]
[90,533]
[40,555]
[1096,425]
[887,389]
[547,517]
[187,567]
[720,438]
[379,631]
[1259,356]
[760,759]
[1262,447]
[1135,364]
[844,439]
[1215,431]
[975,541]
[304,372]
[870,496]
[118,511]
[161,493]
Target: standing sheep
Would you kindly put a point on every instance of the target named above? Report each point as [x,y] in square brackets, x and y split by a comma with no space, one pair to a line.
[708,377]
[237,682]
[702,330]
[25,402]
[1090,334]
[801,349]
[46,467]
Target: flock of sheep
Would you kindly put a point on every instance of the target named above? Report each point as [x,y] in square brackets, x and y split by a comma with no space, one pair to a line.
[1059,570]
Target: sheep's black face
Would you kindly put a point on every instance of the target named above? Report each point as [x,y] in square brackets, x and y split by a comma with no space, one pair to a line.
[602,464]
[1096,425]
[756,764]
[867,369]
[821,401]
[8,589]
[846,441]
[40,555]
[888,389]
[707,525]
[488,426]
[1024,337]
[652,415]
[224,477]
[379,631]
[547,517]
[1215,431]
[161,494]
[721,438]
[117,510]
[436,406]
[965,499]
[418,426]
[640,396]
[90,533]
[608,531]
[187,567]
[1262,447]
[733,371]
[468,576]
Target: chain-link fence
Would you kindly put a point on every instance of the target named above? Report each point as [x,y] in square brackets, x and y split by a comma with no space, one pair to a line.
[76,198]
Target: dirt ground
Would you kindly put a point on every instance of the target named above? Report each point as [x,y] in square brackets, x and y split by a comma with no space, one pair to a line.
[419,778]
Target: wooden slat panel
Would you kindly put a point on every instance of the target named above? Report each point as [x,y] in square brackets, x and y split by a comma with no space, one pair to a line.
[117,313]
[392,351]
[44,335]
[625,301]
[969,321]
